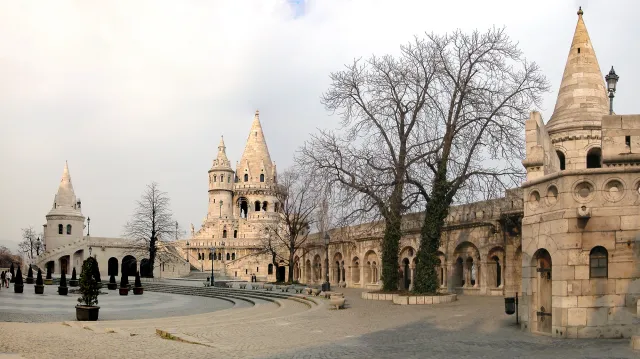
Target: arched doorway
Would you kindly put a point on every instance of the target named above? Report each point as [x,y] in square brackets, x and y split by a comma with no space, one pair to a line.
[542,296]
[355,270]
[406,280]
[129,266]
[244,207]
[112,267]
[64,264]
[145,268]
[280,273]
[458,277]
[307,271]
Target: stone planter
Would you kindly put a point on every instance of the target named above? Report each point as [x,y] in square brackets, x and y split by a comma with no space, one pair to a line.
[124,291]
[39,289]
[87,313]
[48,281]
[112,286]
[18,288]
[74,283]
[411,299]
[63,290]
[29,280]
[138,290]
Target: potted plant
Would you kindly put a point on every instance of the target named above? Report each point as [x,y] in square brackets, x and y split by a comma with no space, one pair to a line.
[63,289]
[30,275]
[124,284]
[39,287]
[74,281]
[112,283]
[137,288]
[88,308]
[13,275]
[18,284]
[48,280]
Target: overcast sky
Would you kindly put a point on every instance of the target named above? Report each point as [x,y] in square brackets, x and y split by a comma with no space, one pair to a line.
[134,91]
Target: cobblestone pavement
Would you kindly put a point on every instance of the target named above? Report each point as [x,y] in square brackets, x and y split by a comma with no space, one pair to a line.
[473,327]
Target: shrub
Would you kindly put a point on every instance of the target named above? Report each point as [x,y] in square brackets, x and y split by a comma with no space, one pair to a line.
[124,281]
[73,274]
[39,278]
[18,277]
[137,283]
[112,279]
[13,274]
[89,288]
[63,280]
[96,274]
[49,272]
[30,272]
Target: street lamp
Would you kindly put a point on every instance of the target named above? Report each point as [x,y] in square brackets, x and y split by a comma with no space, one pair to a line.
[89,251]
[326,286]
[38,246]
[88,226]
[187,251]
[612,81]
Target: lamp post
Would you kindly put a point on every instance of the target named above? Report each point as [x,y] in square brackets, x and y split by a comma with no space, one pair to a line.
[38,246]
[187,251]
[88,226]
[612,81]
[326,286]
[89,251]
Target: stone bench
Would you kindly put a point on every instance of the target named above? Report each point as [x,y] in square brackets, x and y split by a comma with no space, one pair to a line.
[229,285]
[243,286]
[268,287]
[337,302]
[298,289]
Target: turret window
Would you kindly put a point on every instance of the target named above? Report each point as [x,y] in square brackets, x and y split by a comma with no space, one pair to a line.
[246,177]
[60,228]
[219,256]
[235,233]
[228,256]
[233,256]
[215,178]
[224,233]
[264,206]
[262,177]
[594,158]
[562,160]
[257,206]
[68,229]
[228,179]
[221,178]
[627,141]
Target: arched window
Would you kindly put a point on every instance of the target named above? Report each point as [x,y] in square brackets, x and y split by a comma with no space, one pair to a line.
[228,179]
[246,177]
[68,229]
[221,178]
[257,206]
[262,177]
[228,256]
[219,256]
[562,161]
[264,206]
[224,233]
[235,233]
[60,229]
[233,256]
[270,269]
[594,158]
[598,263]
[215,178]
[210,256]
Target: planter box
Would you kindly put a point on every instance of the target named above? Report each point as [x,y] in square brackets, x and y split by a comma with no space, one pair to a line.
[112,286]
[18,288]
[63,290]
[138,290]
[124,291]
[39,289]
[74,283]
[29,280]
[85,313]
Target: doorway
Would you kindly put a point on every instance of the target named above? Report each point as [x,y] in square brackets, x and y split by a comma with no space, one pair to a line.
[543,291]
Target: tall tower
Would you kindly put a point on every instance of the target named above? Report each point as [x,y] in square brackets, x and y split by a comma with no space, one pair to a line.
[221,180]
[575,126]
[65,222]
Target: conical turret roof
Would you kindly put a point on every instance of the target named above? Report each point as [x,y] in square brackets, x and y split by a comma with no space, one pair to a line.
[221,162]
[65,201]
[255,158]
[582,97]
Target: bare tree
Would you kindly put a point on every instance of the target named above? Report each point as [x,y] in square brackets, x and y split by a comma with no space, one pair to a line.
[151,222]
[297,213]
[483,93]
[30,246]
[7,258]
[382,104]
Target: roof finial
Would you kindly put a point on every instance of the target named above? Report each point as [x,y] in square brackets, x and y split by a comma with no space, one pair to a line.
[580,12]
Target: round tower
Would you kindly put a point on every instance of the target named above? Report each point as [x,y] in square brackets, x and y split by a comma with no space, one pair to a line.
[221,180]
[65,222]
[575,126]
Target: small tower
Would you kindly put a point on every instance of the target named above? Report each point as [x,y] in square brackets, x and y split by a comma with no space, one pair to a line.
[221,180]
[65,222]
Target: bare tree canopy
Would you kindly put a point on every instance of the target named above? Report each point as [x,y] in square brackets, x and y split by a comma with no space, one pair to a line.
[7,258]
[297,213]
[447,113]
[151,223]
[30,246]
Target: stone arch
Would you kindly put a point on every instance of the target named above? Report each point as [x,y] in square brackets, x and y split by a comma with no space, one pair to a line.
[541,270]
[145,268]
[307,271]
[467,254]
[243,204]
[63,264]
[256,206]
[440,267]
[594,157]
[129,265]
[317,268]
[372,269]
[495,267]
[78,258]
[337,270]
[355,270]
[50,264]
[112,267]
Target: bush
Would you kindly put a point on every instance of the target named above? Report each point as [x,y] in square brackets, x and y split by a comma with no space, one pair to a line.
[12,271]
[137,283]
[96,274]
[73,274]
[39,278]
[30,272]
[63,280]
[124,281]
[89,288]
[49,272]
[18,277]
[112,279]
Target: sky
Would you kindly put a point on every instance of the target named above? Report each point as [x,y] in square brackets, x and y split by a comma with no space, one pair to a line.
[134,91]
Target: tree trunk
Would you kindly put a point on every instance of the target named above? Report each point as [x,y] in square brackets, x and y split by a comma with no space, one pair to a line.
[426,277]
[390,244]
[152,255]
[290,271]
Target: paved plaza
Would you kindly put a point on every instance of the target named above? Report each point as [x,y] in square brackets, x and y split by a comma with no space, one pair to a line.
[473,327]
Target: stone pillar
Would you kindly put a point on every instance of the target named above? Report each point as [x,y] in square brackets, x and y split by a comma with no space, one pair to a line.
[476,265]
[445,277]
[412,270]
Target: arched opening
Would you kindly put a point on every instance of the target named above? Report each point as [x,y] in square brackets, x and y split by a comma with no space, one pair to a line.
[233,256]
[471,271]
[246,177]
[280,273]
[262,177]
[219,256]
[270,269]
[562,160]
[594,158]
[221,178]
[64,264]
[224,233]
[145,268]
[264,206]
[129,266]
[235,233]
[244,207]
[498,271]
[307,271]
[68,229]
[598,263]
[458,275]
[215,178]
[60,228]
[407,274]
[112,266]
[542,296]
[256,206]
[228,256]
[212,256]
[374,273]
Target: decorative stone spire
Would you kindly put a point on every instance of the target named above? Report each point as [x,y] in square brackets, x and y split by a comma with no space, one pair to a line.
[221,160]
[255,157]
[582,97]
[65,200]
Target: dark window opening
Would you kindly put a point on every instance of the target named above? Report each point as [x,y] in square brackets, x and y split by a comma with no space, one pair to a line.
[598,263]
[562,160]
[262,177]
[68,229]
[233,256]
[246,177]
[264,206]
[594,158]
[228,256]
[224,233]
[257,206]
[60,229]
[235,233]
[578,50]
[627,141]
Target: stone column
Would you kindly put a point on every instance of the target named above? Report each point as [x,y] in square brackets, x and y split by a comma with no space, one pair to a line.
[476,265]
[445,277]
[412,270]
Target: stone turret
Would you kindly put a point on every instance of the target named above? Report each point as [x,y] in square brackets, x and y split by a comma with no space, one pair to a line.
[65,222]
[575,126]
[255,165]
[221,181]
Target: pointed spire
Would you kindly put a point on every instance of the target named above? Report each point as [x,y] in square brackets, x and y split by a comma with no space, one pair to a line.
[65,199]
[582,97]
[221,162]
[256,154]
